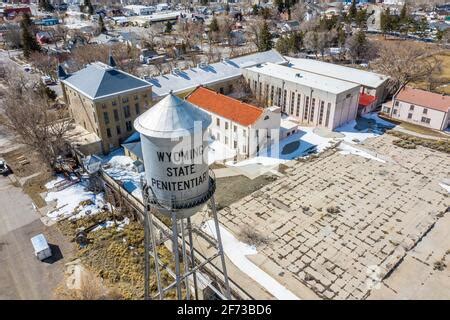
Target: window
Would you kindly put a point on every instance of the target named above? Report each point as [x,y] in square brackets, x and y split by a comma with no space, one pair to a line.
[108,132]
[136,97]
[409,115]
[124,100]
[126,111]
[271,94]
[279,96]
[327,117]
[411,107]
[266,118]
[291,111]
[118,130]
[230,88]
[305,112]
[396,103]
[386,110]
[244,148]
[226,140]
[116,115]
[218,122]
[106,117]
[235,144]
[255,85]
[244,133]
[144,96]
[284,100]
[221,90]
[322,106]
[129,126]
[425,120]
[394,111]
[297,112]
[218,136]
[136,106]
[226,125]
[425,111]
[103,106]
[234,128]
[311,116]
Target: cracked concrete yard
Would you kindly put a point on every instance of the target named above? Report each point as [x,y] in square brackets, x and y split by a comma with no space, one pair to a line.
[342,224]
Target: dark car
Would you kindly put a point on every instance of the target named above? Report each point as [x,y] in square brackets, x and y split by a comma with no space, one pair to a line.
[3,167]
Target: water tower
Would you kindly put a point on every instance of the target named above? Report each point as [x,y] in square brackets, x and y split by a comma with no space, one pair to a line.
[178,183]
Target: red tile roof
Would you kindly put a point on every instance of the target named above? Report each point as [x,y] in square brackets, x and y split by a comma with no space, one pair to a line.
[366,99]
[227,107]
[424,98]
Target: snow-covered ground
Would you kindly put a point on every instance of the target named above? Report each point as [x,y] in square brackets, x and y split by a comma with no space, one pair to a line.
[237,252]
[306,140]
[445,186]
[120,168]
[110,223]
[69,199]
[347,149]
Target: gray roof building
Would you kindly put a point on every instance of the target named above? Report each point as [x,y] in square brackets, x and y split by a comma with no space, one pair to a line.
[189,79]
[98,80]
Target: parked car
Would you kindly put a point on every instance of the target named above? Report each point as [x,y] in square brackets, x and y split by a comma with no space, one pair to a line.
[47,80]
[42,250]
[27,68]
[4,169]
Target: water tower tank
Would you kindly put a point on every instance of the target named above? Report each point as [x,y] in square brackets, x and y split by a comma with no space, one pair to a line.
[175,156]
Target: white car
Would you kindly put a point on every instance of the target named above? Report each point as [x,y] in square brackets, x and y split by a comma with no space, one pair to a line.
[3,167]
[27,68]
[46,80]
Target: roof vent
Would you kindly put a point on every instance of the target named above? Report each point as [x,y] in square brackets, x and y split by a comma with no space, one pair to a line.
[176,71]
[298,75]
[202,65]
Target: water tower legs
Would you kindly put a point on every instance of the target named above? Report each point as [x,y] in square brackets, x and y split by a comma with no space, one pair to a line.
[197,265]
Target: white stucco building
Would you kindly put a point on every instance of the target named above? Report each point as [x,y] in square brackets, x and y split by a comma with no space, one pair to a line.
[311,98]
[240,126]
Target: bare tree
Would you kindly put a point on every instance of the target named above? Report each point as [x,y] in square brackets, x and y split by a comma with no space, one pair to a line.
[28,112]
[254,28]
[405,63]
[45,63]
[298,11]
[12,37]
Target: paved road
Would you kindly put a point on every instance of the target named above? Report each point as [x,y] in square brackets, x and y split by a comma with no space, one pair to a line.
[22,276]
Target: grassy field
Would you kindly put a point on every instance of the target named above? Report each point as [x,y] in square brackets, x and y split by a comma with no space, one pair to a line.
[444,75]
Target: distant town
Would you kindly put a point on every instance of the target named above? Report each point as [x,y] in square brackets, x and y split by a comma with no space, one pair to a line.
[230,150]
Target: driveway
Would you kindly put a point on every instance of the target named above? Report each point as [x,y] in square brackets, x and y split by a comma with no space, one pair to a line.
[22,276]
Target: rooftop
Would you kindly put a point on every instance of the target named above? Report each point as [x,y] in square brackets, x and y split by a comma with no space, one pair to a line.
[224,106]
[304,78]
[98,80]
[366,99]
[424,98]
[365,78]
[189,79]
[170,118]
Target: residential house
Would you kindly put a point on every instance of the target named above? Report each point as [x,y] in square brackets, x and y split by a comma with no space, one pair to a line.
[105,100]
[311,98]
[420,107]
[240,126]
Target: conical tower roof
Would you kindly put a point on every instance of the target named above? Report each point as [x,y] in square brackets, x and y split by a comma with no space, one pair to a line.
[171,117]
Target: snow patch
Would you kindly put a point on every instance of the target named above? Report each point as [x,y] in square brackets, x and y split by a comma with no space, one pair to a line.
[446,187]
[68,199]
[347,149]
[237,251]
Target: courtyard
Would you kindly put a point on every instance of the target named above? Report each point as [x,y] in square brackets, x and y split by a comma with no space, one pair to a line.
[341,224]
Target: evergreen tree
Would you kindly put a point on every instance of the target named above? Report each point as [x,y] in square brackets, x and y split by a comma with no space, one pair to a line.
[29,43]
[101,24]
[359,47]
[255,10]
[88,7]
[386,21]
[169,27]
[214,26]
[352,11]
[265,41]
[403,13]
[204,2]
